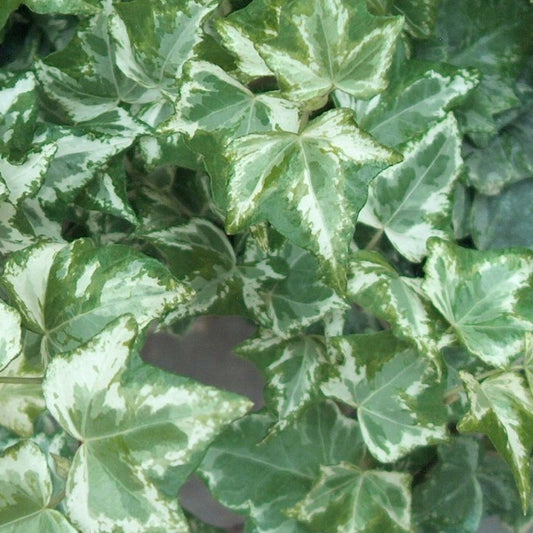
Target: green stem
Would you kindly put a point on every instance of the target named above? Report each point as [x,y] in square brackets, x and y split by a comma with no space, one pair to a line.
[18,380]
[57,500]
[374,240]
[304,119]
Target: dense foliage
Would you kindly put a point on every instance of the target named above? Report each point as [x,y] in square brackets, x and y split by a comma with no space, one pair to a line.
[354,177]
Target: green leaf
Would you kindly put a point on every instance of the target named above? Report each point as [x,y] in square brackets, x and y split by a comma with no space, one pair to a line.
[420,16]
[490,35]
[494,219]
[154,40]
[10,344]
[411,201]
[502,408]
[333,44]
[263,480]
[346,499]
[25,492]
[479,294]
[294,370]
[244,29]
[395,391]
[6,9]
[133,426]
[453,483]
[74,7]
[377,286]
[419,94]
[310,186]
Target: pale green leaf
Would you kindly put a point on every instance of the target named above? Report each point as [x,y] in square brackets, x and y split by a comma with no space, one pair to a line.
[154,40]
[450,498]
[505,219]
[419,94]
[479,294]
[395,391]
[331,44]
[310,186]
[346,499]
[25,491]
[502,408]
[377,286]
[10,343]
[133,426]
[74,7]
[263,480]
[411,201]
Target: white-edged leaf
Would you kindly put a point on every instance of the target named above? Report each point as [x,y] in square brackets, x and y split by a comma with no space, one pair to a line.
[502,408]
[346,499]
[10,343]
[411,201]
[479,294]
[133,426]
[25,492]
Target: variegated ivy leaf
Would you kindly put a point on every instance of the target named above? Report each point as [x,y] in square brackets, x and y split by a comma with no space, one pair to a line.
[346,499]
[214,102]
[310,185]
[502,407]
[200,254]
[294,370]
[10,344]
[479,294]
[262,480]
[70,295]
[243,29]
[25,179]
[73,7]
[18,113]
[453,483]
[411,201]
[26,491]
[331,44]
[419,94]
[420,16]
[154,40]
[377,286]
[134,423]
[528,359]
[395,390]
[283,290]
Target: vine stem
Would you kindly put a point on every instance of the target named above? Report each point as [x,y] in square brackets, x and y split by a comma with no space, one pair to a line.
[452,395]
[18,380]
[374,240]
[57,500]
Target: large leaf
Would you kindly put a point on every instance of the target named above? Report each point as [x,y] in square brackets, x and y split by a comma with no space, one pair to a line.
[420,16]
[25,492]
[395,391]
[346,499]
[502,408]
[419,93]
[331,44]
[309,185]
[505,219]
[453,483]
[10,343]
[377,286]
[479,294]
[133,426]
[411,201]
[263,480]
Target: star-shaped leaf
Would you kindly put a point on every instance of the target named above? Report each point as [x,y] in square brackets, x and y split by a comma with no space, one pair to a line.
[26,491]
[310,185]
[346,499]
[479,294]
[331,44]
[411,201]
[134,423]
[502,407]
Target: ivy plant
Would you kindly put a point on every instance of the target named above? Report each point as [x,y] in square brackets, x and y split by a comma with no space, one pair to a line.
[353,177]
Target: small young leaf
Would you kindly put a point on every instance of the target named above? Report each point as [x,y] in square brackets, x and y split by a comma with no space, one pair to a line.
[411,201]
[479,294]
[346,499]
[502,408]
[25,492]
[133,426]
